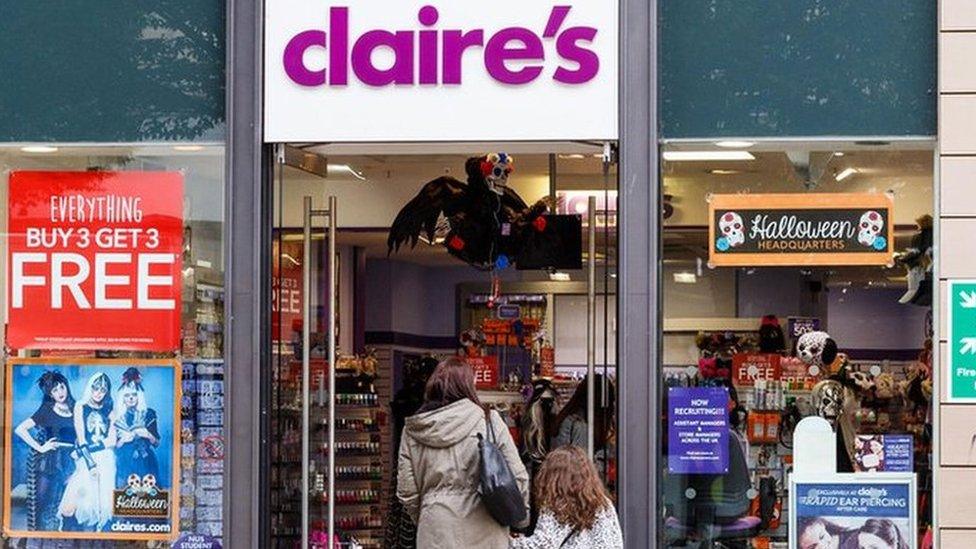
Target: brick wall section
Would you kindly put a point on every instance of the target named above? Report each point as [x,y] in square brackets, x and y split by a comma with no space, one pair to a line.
[956,477]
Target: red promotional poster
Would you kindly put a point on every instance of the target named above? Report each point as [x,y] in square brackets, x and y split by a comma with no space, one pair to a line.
[547,362]
[747,368]
[485,371]
[795,370]
[94,260]
[286,289]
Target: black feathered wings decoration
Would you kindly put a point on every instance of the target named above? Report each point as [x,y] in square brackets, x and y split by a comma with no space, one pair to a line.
[482,222]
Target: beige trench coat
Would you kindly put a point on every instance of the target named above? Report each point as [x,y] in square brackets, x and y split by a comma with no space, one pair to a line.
[438,477]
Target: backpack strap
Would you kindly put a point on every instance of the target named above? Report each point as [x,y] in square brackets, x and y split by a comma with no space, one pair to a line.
[569,536]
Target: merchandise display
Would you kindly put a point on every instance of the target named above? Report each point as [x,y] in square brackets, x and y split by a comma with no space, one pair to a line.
[202,461]
[362,458]
[879,408]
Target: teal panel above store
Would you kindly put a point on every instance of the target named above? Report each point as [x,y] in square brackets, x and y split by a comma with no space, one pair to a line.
[112,70]
[758,68]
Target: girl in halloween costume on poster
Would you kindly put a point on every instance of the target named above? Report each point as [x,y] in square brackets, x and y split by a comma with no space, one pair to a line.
[87,501]
[50,464]
[136,429]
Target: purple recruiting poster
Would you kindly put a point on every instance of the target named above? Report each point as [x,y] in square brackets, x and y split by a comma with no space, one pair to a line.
[698,430]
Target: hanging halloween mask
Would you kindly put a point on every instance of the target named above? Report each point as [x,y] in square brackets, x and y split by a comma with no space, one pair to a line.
[496,167]
[816,349]
[828,398]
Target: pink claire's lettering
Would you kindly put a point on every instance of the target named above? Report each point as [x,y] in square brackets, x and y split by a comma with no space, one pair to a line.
[512,55]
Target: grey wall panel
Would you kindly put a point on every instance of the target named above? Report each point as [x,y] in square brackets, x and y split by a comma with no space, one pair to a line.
[248,242]
[638,280]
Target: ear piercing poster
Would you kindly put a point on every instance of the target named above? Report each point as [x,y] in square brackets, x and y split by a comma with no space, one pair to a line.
[853,510]
[91,449]
[884,453]
[801,229]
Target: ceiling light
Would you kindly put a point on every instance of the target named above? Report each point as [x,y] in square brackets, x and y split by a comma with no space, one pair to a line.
[704,156]
[559,276]
[574,156]
[187,148]
[346,169]
[839,153]
[39,149]
[685,278]
[845,174]
[724,172]
[735,144]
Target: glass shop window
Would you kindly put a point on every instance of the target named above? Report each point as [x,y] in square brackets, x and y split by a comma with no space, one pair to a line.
[797,284]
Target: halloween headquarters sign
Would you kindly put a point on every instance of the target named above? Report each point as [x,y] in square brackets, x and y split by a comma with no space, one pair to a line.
[801,229]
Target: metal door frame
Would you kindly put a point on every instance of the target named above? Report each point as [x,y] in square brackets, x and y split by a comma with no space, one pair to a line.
[247,263]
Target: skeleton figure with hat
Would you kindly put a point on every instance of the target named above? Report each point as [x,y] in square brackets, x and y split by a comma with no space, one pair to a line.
[482,222]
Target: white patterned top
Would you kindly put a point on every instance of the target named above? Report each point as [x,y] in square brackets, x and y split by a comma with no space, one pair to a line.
[551,534]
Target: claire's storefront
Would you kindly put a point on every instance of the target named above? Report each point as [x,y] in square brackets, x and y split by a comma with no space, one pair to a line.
[707,230]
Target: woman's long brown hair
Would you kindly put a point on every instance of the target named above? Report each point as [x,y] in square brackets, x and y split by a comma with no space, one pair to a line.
[452,380]
[569,487]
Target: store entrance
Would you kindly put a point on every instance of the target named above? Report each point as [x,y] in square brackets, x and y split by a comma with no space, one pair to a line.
[373,272]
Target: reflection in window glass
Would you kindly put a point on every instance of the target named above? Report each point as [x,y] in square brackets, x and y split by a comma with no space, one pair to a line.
[797,282]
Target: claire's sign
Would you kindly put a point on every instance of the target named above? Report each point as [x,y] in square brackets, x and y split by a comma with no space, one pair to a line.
[801,229]
[94,260]
[421,70]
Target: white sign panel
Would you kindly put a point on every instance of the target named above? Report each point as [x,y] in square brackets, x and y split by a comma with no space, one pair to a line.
[407,70]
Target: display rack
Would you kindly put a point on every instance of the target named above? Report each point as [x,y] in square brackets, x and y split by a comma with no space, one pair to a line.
[202,403]
[359,455]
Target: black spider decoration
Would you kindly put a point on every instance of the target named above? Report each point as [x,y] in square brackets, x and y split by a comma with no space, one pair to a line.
[482,222]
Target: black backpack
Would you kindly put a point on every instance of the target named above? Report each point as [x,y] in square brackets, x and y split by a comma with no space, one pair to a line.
[499,491]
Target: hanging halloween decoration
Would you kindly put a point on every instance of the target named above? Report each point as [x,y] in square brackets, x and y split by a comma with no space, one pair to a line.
[482,222]
[917,260]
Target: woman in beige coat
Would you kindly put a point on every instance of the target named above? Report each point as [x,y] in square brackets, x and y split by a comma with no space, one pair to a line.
[438,469]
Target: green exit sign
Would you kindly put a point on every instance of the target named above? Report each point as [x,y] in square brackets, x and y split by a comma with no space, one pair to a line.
[962,339]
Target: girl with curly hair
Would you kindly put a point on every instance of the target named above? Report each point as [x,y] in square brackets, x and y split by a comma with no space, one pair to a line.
[574,509]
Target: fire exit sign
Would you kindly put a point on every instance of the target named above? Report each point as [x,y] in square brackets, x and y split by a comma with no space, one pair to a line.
[962,339]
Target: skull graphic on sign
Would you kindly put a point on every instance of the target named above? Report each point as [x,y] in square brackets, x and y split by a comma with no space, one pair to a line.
[869,227]
[732,229]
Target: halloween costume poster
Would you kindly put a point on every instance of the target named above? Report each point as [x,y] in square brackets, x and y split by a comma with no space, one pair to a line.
[92,449]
